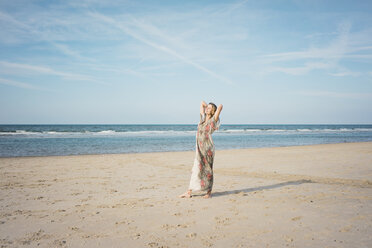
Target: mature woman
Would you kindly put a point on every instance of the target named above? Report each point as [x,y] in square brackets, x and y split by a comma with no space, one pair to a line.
[202,171]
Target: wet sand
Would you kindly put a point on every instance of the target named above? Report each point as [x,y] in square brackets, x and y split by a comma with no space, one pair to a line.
[300,196]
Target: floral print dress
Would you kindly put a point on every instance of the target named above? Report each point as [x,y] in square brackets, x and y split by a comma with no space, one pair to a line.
[202,170]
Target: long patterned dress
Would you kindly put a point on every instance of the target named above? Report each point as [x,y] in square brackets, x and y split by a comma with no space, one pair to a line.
[202,170]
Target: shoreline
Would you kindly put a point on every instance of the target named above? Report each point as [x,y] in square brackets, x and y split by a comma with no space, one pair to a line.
[217,150]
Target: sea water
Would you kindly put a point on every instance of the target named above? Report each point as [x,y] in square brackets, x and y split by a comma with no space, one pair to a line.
[46,140]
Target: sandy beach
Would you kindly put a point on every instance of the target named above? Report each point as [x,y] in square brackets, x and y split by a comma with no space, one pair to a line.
[303,196]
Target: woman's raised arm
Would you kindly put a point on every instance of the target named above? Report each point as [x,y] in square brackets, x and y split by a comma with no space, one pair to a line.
[203,105]
[218,111]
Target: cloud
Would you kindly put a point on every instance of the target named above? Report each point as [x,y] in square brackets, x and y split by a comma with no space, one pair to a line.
[70,52]
[9,19]
[325,58]
[158,46]
[229,8]
[19,69]
[21,85]
[344,73]
[335,50]
[12,31]
[301,70]
[218,39]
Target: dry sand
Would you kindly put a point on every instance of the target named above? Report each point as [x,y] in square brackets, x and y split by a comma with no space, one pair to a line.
[304,196]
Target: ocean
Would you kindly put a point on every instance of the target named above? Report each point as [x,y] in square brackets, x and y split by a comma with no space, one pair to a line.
[49,140]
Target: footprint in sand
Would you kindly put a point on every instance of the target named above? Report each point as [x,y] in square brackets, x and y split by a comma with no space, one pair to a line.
[136,236]
[296,218]
[167,227]
[222,220]
[206,242]
[125,222]
[153,244]
[59,243]
[191,235]
[288,239]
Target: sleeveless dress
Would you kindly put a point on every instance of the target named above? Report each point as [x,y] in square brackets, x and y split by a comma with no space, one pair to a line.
[202,170]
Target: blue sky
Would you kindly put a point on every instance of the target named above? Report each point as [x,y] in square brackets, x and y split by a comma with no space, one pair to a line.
[127,62]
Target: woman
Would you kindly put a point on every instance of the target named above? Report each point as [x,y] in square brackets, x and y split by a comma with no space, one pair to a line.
[202,171]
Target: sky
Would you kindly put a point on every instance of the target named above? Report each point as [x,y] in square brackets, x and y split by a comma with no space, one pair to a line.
[153,62]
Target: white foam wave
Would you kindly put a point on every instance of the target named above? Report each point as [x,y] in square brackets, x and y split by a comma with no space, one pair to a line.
[19,132]
[105,132]
[50,132]
[175,132]
[233,131]
[157,132]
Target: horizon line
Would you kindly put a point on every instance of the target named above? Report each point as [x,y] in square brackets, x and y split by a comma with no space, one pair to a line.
[184,124]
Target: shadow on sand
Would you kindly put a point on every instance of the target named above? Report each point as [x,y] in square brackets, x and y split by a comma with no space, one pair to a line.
[247,190]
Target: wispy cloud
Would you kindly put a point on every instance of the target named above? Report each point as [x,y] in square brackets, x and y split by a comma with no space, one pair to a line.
[9,19]
[191,37]
[335,50]
[227,9]
[157,46]
[322,58]
[20,69]
[12,31]
[21,85]
[70,52]
[344,73]
[303,69]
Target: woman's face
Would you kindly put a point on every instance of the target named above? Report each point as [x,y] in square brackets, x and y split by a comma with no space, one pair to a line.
[209,110]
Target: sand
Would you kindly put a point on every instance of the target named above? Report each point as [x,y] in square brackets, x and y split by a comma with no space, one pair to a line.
[304,196]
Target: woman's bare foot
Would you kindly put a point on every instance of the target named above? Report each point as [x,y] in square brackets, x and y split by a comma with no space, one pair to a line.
[208,195]
[187,194]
